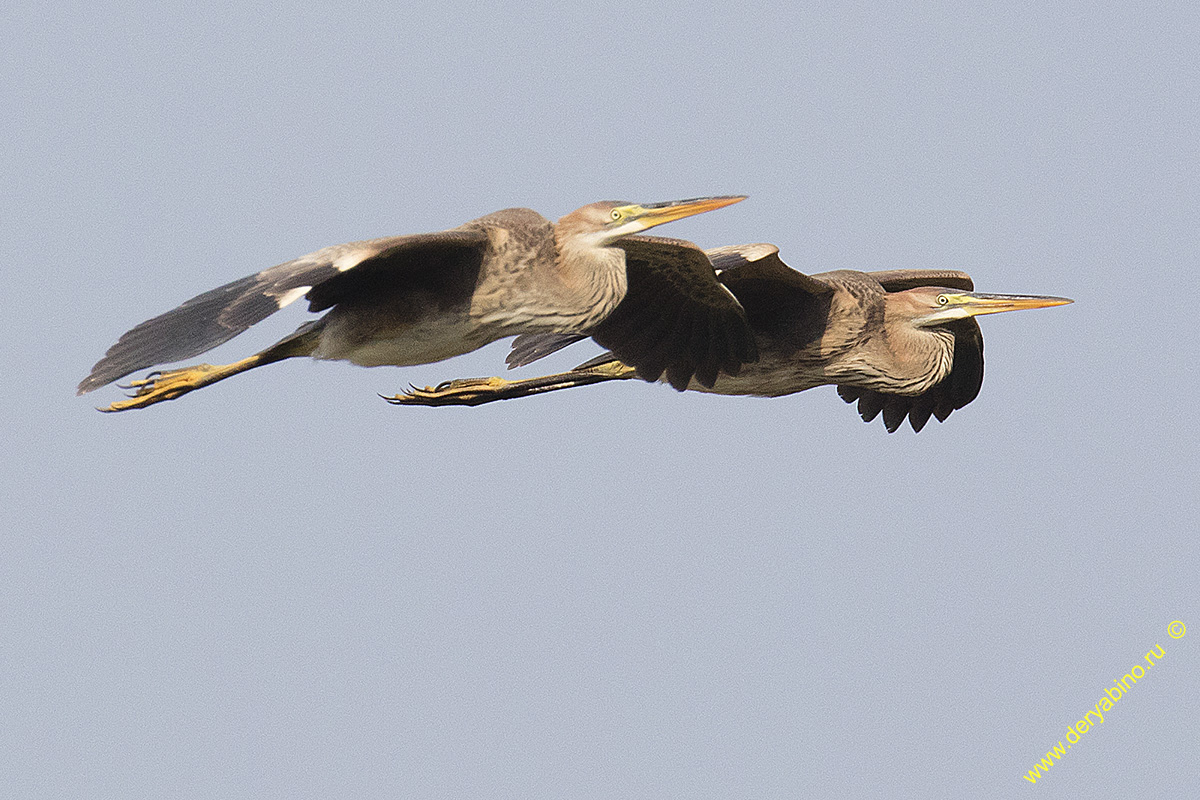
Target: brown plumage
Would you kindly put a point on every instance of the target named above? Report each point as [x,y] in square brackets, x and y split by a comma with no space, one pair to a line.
[903,343]
[416,299]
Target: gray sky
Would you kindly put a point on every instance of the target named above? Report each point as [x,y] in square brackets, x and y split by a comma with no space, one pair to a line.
[284,587]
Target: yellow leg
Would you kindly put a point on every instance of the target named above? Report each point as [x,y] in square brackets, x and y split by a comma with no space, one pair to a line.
[477,391]
[160,386]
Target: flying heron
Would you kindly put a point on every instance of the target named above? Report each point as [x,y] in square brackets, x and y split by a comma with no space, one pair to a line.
[416,299]
[901,342]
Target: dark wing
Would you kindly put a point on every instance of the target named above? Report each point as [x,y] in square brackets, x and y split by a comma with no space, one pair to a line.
[675,317]
[787,308]
[529,347]
[954,391]
[771,293]
[899,280]
[326,277]
[760,262]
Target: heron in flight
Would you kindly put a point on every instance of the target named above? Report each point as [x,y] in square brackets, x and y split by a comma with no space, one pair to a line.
[416,299]
[901,342]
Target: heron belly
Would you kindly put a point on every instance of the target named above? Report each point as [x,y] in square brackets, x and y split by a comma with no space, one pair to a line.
[421,341]
[766,379]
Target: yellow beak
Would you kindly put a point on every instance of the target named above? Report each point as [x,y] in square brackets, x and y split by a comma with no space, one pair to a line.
[647,216]
[977,303]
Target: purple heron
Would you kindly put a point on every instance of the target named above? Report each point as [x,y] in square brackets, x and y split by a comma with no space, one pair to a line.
[903,343]
[417,299]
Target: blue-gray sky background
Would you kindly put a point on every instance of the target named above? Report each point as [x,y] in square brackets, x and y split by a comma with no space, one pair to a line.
[284,587]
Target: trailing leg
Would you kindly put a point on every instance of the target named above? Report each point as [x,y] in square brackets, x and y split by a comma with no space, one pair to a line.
[477,391]
[158,387]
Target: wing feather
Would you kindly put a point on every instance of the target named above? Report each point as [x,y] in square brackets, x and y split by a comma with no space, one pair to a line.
[673,278]
[326,277]
[529,347]
[761,262]
[899,280]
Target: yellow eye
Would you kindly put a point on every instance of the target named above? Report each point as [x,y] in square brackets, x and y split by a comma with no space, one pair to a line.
[942,300]
[616,214]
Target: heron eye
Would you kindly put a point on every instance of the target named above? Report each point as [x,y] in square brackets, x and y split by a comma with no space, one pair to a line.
[616,214]
[942,300]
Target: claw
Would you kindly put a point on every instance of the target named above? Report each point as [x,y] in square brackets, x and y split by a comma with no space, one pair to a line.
[159,386]
[147,381]
[462,392]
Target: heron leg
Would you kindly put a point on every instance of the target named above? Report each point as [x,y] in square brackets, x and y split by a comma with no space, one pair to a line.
[158,387]
[477,391]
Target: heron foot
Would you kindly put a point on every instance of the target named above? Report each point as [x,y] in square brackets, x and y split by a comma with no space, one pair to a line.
[477,391]
[460,392]
[160,386]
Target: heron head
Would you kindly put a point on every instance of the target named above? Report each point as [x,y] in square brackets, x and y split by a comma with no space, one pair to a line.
[930,305]
[603,223]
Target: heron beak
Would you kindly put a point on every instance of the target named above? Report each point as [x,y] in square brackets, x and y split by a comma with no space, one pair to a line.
[973,304]
[647,216]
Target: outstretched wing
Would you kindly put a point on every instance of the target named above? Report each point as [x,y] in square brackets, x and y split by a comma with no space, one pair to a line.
[326,277]
[741,263]
[900,280]
[676,317]
[786,308]
[953,392]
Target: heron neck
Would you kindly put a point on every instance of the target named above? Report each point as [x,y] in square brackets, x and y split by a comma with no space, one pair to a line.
[914,360]
[868,346]
[591,279]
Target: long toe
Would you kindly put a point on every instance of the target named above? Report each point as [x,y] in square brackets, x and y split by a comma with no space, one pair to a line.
[158,387]
[461,392]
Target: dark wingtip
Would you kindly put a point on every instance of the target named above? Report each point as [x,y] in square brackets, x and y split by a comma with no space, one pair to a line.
[706,375]
[919,415]
[198,325]
[869,406]
[679,376]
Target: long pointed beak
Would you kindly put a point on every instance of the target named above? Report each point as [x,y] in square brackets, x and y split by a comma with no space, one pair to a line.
[977,303]
[647,216]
